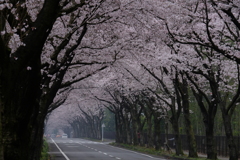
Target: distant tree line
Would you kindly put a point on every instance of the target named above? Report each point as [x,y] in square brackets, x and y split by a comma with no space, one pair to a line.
[142,112]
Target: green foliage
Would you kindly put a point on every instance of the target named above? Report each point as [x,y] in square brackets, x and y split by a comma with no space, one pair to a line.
[152,151]
[137,148]
[143,149]
[109,121]
[236,122]
[44,153]
[92,139]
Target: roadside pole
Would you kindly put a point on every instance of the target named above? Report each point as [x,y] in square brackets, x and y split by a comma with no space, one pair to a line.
[103,125]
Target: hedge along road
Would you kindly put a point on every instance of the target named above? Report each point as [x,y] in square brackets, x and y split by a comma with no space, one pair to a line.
[76,149]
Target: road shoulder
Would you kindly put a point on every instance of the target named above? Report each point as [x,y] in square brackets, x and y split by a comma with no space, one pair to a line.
[54,152]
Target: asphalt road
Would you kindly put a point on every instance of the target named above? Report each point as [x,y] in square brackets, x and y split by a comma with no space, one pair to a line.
[80,149]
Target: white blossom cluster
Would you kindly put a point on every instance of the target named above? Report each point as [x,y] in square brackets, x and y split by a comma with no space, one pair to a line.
[145,44]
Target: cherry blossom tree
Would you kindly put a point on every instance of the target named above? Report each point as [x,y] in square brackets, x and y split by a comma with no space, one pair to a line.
[137,51]
[193,34]
[40,42]
[210,33]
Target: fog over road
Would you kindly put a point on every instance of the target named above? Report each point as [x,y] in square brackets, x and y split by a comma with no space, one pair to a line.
[80,149]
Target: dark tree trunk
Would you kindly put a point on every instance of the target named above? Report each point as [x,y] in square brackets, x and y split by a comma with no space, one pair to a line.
[210,140]
[141,124]
[157,130]
[126,129]
[81,132]
[192,146]
[37,139]
[166,133]
[118,128]
[134,128]
[18,121]
[233,152]
[125,121]
[19,105]
[135,117]
[148,111]
[177,138]
[20,88]
[175,125]
[99,127]
[149,132]
[1,131]
[129,135]
[208,114]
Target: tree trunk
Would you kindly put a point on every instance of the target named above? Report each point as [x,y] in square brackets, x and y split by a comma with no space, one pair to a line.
[192,146]
[157,131]
[149,132]
[141,124]
[20,87]
[233,152]
[125,129]
[1,131]
[99,128]
[208,114]
[122,130]
[134,128]
[74,131]
[118,128]
[148,115]
[21,93]
[177,139]
[81,132]
[129,140]
[37,138]
[129,133]
[166,132]
[210,140]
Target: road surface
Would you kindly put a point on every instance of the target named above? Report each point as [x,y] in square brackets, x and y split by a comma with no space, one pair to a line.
[80,149]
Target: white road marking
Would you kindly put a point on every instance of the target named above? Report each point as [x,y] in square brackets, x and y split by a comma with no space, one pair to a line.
[87,142]
[72,146]
[60,150]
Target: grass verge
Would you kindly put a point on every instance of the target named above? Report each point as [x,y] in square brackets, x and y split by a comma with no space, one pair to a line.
[44,153]
[92,139]
[98,140]
[152,151]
